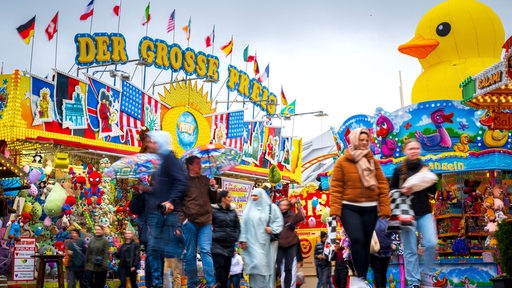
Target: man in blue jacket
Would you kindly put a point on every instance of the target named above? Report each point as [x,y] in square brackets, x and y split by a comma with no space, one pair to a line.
[163,202]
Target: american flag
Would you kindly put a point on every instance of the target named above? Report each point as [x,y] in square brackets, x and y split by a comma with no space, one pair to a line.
[233,122]
[134,106]
[171,22]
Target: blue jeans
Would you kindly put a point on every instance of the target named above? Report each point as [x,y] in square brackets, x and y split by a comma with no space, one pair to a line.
[426,226]
[235,280]
[198,237]
[164,240]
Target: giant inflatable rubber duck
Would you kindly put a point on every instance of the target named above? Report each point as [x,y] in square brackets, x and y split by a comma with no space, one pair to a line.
[454,40]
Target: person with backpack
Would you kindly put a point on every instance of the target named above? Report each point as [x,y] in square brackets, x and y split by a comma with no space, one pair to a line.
[75,250]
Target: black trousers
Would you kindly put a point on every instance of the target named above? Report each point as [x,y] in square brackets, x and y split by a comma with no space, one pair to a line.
[222,264]
[126,272]
[380,268]
[285,258]
[341,274]
[359,223]
[96,279]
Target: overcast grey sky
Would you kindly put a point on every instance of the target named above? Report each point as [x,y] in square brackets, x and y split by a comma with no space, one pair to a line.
[326,54]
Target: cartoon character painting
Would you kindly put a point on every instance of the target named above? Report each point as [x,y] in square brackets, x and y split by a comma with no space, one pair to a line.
[384,127]
[44,104]
[492,137]
[439,140]
[104,112]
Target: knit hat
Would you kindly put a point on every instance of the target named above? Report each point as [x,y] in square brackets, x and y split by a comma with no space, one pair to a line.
[323,234]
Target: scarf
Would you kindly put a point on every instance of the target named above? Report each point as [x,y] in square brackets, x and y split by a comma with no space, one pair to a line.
[365,169]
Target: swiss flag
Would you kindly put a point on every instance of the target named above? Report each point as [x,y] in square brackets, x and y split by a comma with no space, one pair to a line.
[51,29]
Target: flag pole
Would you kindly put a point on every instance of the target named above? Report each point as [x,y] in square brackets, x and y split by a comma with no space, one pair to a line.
[56,40]
[213,53]
[230,62]
[118,28]
[144,77]
[173,41]
[119,17]
[90,25]
[32,49]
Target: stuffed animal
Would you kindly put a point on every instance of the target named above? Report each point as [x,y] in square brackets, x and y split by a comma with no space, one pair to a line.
[470,189]
[94,189]
[66,208]
[15,231]
[55,201]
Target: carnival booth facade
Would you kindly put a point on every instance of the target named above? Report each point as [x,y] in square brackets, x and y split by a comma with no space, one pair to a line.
[474,167]
[58,137]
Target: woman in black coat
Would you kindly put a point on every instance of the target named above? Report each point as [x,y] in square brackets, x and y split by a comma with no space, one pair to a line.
[129,259]
[226,229]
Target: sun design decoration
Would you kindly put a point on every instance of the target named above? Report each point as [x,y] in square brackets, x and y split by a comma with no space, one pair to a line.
[187,94]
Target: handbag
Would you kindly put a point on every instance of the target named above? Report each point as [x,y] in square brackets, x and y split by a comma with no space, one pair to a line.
[273,236]
[137,203]
[374,244]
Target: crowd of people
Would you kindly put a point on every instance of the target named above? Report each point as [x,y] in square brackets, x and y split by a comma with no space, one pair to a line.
[187,218]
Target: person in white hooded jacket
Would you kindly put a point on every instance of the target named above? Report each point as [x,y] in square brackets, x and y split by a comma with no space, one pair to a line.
[261,218]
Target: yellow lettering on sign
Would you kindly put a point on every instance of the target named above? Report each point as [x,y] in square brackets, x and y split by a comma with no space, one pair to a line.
[146,50]
[102,53]
[176,57]
[162,55]
[232,78]
[490,80]
[186,128]
[86,49]
[243,87]
[118,48]
[201,64]
[446,166]
[189,63]
[100,48]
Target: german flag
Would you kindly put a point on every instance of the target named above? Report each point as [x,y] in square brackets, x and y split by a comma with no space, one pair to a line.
[26,30]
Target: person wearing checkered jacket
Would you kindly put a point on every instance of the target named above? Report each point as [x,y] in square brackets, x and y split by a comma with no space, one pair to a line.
[424,220]
[359,195]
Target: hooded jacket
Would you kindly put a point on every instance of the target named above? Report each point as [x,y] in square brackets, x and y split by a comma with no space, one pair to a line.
[169,182]
[346,185]
[226,229]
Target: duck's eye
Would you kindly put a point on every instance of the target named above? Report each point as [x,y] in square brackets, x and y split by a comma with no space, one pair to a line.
[443,29]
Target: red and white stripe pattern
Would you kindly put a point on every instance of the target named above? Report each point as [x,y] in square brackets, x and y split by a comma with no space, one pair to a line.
[150,111]
[171,22]
[219,120]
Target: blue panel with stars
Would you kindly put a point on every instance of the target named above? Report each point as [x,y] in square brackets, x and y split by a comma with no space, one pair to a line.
[236,124]
[131,100]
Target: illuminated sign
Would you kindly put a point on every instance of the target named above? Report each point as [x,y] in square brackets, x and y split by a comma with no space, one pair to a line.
[251,89]
[110,48]
[502,121]
[100,48]
[187,130]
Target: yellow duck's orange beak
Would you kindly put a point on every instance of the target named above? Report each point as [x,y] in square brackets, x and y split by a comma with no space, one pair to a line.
[418,47]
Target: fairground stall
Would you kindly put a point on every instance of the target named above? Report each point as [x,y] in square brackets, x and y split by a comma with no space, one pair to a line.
[58,136]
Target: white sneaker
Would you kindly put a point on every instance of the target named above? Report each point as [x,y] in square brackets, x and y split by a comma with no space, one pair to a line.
[359,282]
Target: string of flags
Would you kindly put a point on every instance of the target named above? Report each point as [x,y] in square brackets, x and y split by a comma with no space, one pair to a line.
[27,30]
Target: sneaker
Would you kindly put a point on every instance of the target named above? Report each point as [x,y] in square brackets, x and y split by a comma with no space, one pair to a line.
[359,282]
